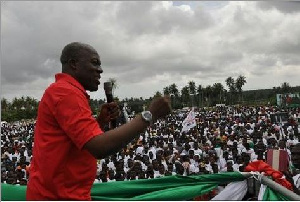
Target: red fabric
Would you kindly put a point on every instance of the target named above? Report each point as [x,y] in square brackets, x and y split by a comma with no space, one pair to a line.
[60,169]
[281,162]
[284,183]
[206,197]
[261,166]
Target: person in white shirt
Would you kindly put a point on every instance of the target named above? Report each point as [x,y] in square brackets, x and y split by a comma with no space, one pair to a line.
[247,149]
[103,177]
[139,150]
[215,168]
[111,165]
[152,150]
[208,164]
[238,163]
[197,150]
[228,167]
[97,180]
[186,149]
[222,161]
[111,176]
[193,168]
[129,165]
[291,141]
[249,129]
[161,171]
[231,140]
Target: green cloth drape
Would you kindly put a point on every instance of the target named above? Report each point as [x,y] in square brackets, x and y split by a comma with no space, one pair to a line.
[167,188]
[13,192]
[164,188]
[271,195]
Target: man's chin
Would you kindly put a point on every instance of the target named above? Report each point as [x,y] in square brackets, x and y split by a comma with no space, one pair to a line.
[93,89]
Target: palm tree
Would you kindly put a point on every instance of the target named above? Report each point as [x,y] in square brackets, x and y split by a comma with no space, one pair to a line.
[192,87]
[218,89]
[114,83]
[185,95]
[208,94]
[200,94]
[192,90]
[30,103]
[166,90]
[230,82]
[16,104]
[240,81]
[231,86]
[174,94]
[174,90]
[157,94]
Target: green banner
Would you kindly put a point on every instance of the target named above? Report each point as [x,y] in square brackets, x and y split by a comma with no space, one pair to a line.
[164,188]
[271,195]
[168,188]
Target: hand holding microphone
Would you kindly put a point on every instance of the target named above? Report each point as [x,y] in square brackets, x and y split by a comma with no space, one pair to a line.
[109,111]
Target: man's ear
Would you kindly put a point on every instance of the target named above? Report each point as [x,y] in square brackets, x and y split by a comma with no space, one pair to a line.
[72,64]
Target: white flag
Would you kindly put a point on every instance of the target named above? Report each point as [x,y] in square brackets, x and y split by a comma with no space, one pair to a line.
[125,113]
[189,122]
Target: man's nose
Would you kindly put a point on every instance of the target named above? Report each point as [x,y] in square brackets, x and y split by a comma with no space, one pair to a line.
[99,70]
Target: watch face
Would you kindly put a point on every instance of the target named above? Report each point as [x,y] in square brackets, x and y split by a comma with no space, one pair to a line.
[147,115]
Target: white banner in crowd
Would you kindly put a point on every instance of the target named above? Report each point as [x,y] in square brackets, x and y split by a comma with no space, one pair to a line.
[189,122]
[234,191]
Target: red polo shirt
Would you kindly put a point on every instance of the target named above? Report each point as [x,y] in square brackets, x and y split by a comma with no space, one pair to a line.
[60,168]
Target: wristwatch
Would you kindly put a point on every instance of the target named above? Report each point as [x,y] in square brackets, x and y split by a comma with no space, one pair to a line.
[147,116]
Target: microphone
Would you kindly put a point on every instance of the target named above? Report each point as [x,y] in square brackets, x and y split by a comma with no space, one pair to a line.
[110,98]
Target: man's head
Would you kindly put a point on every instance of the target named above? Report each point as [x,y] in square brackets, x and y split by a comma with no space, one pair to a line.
[282,144]
[229,166]
[259,147]
[225,155]
[82,62]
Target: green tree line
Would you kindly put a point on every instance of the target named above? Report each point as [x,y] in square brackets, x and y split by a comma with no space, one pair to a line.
[18,109]
[191,94]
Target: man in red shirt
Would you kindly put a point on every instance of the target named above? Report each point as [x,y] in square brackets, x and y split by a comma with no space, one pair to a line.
[67,139]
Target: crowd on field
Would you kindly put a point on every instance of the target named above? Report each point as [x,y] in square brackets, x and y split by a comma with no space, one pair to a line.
[225,139]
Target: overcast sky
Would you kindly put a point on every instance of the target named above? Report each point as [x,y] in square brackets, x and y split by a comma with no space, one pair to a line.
[149,45]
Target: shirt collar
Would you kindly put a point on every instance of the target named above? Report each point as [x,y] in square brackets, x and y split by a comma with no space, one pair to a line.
[68,78]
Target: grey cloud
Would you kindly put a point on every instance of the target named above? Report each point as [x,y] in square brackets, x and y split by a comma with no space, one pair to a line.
[265,61]
[141,18]
[283,6]
[290,60]
[140,41]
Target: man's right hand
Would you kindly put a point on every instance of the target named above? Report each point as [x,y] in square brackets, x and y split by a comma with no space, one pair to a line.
[160,107]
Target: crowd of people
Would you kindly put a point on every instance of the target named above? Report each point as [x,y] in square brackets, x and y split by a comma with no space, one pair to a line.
[225,139]
[16,151]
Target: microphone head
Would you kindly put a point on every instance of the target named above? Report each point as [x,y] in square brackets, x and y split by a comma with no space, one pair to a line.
[108,87]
